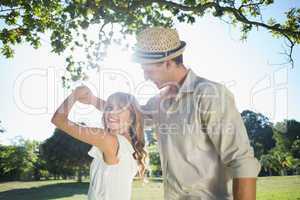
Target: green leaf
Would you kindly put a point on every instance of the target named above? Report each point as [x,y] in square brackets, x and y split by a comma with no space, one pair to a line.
[7,51]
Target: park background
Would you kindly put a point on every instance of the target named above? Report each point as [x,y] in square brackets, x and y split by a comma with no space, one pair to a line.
[38,161]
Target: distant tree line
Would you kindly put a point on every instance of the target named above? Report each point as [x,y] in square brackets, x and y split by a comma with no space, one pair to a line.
[277,146]
[58,157]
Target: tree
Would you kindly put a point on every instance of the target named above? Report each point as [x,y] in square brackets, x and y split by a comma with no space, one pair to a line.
[11,162]
[287,135]
[278,162]
[295,149]
[65,155]
[269,164]
[155,164]
[284,160]
[25,21]
[260,132]
[18,161]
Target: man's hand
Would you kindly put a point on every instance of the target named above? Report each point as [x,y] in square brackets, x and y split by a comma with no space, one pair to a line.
[84,95]
[244,188]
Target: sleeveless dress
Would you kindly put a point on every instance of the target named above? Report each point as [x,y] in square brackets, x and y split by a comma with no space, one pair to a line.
[112,182]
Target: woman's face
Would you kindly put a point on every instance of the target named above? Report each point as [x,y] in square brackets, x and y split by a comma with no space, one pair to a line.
[117,118]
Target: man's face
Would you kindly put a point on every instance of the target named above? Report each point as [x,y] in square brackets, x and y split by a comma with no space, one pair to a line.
[157,73]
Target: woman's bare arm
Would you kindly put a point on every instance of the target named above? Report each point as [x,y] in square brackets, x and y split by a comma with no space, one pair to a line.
[94,136]
[98,103]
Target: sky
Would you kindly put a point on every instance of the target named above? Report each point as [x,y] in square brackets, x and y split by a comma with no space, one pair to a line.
[31,87]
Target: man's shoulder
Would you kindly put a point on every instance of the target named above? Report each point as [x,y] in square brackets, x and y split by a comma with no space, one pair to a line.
[213,96]
[209,87]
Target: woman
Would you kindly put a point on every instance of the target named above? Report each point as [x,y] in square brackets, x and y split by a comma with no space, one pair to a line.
[118,148]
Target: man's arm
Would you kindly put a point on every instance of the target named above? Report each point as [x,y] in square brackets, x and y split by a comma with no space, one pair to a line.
[149,110]
[244,188]
[228,134]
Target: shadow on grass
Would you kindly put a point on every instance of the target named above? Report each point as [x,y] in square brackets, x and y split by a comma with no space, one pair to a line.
[53,191]
[158,180]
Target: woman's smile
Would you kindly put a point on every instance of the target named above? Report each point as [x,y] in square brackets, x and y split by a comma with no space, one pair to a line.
[113,120]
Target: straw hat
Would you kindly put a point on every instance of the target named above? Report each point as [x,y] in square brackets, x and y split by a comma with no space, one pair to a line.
[157,44]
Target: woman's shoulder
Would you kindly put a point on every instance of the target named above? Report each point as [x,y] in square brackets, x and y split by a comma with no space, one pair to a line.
[123,147]
[110,147]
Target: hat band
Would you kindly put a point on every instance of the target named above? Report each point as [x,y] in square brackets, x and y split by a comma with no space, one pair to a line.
[158,55]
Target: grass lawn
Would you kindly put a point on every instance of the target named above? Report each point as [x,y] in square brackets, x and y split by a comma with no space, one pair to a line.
[269,188]
[278,188]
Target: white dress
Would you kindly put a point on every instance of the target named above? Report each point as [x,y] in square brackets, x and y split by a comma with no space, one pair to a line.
[112,182]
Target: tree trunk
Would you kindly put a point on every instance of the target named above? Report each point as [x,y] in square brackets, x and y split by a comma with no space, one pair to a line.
[270,172]
[79,175]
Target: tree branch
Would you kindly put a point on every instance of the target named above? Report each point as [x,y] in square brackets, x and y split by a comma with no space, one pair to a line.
[242,18]
[198,8]
[231,10]
[237,13]
[289,54]
[250,5]
[287,33]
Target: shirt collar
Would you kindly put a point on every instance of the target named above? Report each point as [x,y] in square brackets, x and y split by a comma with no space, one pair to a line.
[187,86]
[189,82]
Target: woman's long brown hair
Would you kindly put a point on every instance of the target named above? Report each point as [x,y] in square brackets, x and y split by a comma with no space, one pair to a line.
[124,100]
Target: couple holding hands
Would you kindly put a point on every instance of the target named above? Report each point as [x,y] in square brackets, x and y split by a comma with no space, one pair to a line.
[203,144]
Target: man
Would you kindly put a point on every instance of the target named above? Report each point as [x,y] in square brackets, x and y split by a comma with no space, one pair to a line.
[203,144]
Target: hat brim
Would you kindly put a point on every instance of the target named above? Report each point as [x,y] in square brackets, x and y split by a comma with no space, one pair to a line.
[142,60]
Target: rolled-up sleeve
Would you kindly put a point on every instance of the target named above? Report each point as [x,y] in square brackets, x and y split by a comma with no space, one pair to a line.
[226,130]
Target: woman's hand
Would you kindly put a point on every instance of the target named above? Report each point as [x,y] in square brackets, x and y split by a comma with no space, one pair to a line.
[84,95]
